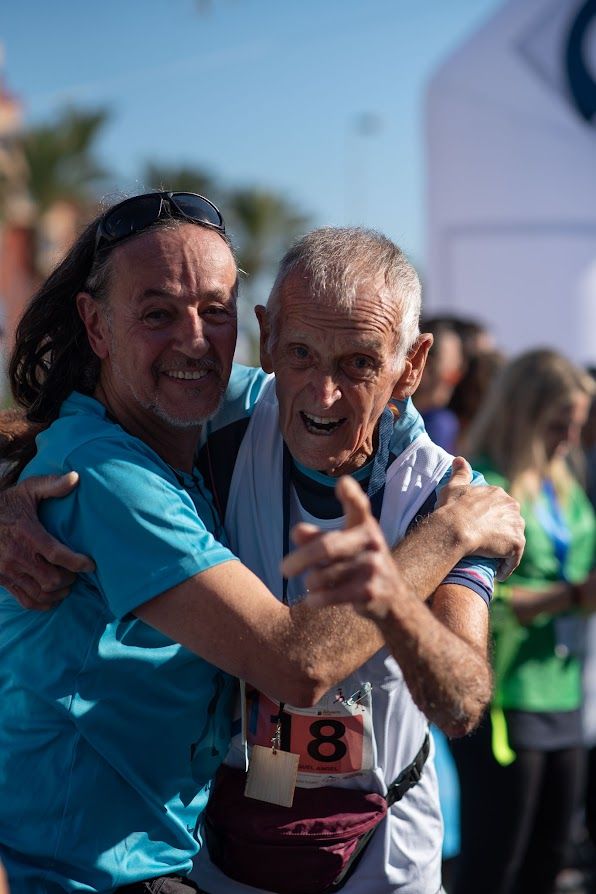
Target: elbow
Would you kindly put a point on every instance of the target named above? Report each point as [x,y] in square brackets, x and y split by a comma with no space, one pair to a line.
[457,728]
[465,716]
[303,688]
[305,696]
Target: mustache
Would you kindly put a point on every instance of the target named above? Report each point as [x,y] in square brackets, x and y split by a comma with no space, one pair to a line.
[204,365]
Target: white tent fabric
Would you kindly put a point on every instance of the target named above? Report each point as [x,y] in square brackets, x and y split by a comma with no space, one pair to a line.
[511,152]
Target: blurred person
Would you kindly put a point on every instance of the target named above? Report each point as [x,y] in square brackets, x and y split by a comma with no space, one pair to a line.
[589,674]
[474,336]
[341,366]
[521,773]
[443,370]
[589,447]
[471,390]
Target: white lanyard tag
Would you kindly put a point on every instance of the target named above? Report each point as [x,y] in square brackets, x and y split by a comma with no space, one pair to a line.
[272,776]
[271,772]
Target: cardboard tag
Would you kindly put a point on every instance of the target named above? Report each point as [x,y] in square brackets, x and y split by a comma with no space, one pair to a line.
[272,776]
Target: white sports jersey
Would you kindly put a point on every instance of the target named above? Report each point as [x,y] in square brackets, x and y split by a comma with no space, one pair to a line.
[380,729]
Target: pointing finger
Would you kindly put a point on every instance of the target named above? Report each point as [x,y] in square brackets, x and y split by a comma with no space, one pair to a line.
[355,503]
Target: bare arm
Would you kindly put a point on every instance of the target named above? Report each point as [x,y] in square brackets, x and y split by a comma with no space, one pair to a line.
[443,655]
[442,651]
[553,599]
[482,520]
[38,570]
[228,616]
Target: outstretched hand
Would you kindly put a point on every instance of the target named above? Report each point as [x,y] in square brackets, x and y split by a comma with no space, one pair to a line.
[489,517]
[348,565]
[35,567]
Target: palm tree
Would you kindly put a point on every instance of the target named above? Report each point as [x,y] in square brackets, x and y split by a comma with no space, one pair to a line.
[182,179]
[263,223]
[61,160]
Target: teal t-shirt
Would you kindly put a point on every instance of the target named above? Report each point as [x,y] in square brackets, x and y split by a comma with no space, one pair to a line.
[109,731]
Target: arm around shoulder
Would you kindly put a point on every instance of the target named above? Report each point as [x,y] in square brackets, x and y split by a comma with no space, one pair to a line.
[227,616]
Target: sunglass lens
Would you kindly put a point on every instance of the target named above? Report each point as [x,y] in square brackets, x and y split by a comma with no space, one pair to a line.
[198,208]
[133,216]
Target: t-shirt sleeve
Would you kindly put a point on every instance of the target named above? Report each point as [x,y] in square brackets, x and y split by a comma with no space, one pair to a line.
[475,572]
[140,526]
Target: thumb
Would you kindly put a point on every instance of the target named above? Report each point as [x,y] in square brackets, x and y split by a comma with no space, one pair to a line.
[355,503]
[44,487]
[461,472]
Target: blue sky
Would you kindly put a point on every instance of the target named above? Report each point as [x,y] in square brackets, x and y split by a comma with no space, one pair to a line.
[263,92]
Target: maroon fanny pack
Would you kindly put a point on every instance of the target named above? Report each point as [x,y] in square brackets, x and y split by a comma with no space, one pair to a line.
[310,848]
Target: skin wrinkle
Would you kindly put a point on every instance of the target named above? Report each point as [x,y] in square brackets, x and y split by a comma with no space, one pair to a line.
[334,365]
[447,676]
[187,320]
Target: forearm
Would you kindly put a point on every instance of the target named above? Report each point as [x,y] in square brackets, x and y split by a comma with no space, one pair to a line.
[429,552]
[335,639]
[554,599]
[448,676]
[227,616]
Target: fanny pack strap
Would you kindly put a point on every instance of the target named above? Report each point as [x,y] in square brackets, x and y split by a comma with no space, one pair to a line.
[406,780]
[410,775]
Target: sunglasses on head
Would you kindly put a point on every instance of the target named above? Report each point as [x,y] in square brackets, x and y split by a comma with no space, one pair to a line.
[136,214]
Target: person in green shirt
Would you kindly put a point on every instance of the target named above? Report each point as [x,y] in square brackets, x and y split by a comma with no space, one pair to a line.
[521,773]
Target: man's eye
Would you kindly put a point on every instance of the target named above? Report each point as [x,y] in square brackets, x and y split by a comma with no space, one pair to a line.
[157,316]
[299,352]
[362,363]
[217,312]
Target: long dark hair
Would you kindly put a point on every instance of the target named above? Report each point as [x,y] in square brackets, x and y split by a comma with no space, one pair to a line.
[52,355]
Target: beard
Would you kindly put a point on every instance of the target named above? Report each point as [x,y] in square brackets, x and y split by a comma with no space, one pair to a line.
[154,405]
[182,422]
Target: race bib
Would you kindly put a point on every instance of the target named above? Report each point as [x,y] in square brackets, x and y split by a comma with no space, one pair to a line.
[333,738]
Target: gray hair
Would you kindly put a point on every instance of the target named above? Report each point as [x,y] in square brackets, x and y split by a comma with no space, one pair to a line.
[336,261]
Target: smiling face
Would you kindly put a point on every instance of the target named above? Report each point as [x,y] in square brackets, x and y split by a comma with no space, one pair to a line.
[335,372]
[167,334]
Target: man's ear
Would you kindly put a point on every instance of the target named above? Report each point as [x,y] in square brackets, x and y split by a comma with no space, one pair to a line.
[94,320]
[411,374]
[265,331]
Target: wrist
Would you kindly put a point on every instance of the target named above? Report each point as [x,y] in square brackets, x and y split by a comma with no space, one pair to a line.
[456,532]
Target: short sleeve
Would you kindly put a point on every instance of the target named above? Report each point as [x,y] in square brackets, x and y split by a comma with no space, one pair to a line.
[140,526]
[475,572]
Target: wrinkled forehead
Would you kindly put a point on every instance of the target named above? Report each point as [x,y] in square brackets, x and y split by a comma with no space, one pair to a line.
[365,302]
[340,294]
[336,287]
[174,257]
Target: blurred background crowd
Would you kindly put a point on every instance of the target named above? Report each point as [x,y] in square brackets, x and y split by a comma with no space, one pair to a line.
[476,116]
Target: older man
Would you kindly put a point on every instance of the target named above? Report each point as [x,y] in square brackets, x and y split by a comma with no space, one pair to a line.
[341,367]
[340,333]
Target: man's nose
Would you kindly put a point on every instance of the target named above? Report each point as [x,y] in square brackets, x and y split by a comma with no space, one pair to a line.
[326,390]
[191,337]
